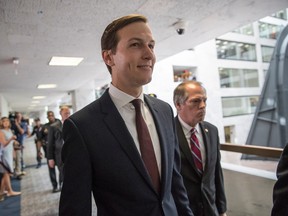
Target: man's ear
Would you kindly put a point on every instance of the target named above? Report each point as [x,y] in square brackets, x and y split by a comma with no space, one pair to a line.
[108,57]
[178,106]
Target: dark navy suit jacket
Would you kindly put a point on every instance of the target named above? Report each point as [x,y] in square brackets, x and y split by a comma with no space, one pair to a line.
[99,155]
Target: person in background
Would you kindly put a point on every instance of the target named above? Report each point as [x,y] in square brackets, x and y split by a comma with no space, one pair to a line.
[7,138]
[20,129]
[46,127]
[200,167]
[37,131]
[103,151]
[280,190]
[55,143]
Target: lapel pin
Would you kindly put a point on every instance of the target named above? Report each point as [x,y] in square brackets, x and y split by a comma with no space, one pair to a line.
[206,130]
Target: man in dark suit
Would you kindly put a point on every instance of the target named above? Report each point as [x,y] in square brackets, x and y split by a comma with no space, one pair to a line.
[102,153]
[280,190]
[203,180]
[55,144]
[45,132]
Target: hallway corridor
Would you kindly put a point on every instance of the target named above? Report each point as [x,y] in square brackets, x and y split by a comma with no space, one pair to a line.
[37,197]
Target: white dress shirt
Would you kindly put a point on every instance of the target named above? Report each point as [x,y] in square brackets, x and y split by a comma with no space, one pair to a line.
[127,111]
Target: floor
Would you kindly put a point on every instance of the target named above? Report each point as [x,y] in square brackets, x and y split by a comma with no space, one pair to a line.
[37,198]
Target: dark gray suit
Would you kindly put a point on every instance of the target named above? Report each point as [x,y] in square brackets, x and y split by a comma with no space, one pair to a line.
[206,193]
[54,146]
[100,155]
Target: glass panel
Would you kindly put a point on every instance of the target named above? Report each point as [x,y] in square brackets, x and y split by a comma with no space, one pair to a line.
[235,50]
[245,30]
[267,53]
[233,106]
[238,78]
[280,14]
[270,31]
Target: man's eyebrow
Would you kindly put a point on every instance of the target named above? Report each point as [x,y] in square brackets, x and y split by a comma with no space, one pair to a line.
[198,97]
[140,40]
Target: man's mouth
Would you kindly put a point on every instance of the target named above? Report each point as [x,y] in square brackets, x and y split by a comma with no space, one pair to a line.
[145,66]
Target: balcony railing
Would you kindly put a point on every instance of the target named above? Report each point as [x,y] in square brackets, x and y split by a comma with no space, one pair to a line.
[249,190]
[253,150]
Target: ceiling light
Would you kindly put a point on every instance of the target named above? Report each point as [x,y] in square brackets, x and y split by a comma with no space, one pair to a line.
[35,102]
[38,97]
[46,86]
[15,60]
[65,61]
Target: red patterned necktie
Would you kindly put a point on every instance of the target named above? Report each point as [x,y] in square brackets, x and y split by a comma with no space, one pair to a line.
[195,148]
[146,147]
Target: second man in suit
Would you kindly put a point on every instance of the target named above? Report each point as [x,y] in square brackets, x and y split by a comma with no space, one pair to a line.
[55,144]
[201,170]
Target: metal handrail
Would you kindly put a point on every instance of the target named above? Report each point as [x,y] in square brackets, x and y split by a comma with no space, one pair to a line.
[252,150]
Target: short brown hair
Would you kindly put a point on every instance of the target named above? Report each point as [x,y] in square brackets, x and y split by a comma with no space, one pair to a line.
[109,39]
[180,94]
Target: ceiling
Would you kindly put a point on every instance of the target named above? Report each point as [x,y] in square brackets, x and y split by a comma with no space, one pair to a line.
[35,30]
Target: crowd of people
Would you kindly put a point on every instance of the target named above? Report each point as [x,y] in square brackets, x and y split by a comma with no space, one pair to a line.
[48,139]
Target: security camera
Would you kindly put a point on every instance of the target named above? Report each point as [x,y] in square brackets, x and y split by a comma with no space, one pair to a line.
[180,26]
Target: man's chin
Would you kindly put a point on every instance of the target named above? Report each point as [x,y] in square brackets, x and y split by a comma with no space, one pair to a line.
[146,81]
[202,118]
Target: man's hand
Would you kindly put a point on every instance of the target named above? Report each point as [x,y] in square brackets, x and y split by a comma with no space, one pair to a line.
[51,163]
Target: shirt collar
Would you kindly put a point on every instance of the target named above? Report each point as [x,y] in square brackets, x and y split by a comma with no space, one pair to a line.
[187,128]
[121,98]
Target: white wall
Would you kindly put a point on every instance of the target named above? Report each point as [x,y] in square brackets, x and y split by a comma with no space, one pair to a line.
[4,107]
[204,58]
[163,83]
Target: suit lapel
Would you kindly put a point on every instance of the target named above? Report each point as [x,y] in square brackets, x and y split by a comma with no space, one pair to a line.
[206,140]
[117,126]
[161,131]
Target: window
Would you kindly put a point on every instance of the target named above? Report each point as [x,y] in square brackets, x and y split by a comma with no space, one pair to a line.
[235,50]
[229,133]
[280,14]
[245,30]
[233,106]
[238,78]
[269,31]
[183,73]
[267,53]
